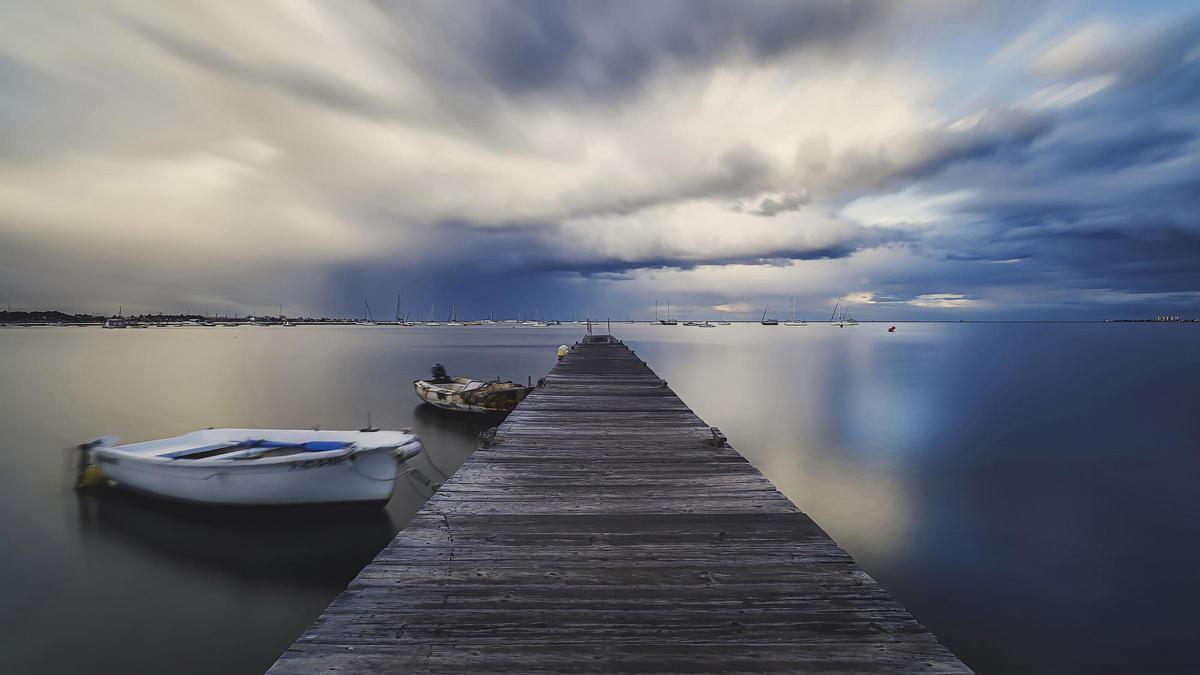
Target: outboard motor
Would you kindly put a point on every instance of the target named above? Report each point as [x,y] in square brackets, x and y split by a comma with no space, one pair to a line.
[438,371]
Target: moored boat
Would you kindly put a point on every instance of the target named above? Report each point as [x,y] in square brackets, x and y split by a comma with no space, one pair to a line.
[117,321]
[467,395]
[664,322]
[794,322]
[261,466]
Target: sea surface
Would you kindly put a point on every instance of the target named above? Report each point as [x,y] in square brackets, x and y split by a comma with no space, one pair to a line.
[1030,492]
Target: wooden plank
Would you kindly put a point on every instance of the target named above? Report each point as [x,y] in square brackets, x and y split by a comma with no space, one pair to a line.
[604,531]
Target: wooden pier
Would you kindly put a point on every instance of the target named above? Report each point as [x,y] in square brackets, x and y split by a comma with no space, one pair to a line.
[607,528]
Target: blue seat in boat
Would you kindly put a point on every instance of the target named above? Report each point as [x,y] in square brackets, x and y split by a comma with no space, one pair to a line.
[310,446]
[322,446]
[206,451]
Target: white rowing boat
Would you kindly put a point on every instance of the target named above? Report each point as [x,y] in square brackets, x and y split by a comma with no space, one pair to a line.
[261,466]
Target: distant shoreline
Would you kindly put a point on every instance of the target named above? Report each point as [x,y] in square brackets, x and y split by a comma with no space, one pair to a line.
[52,318]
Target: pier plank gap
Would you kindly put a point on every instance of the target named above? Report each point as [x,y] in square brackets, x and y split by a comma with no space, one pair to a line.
[607,528]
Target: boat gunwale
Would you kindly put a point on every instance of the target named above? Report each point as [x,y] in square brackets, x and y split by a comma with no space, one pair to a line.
[153,455]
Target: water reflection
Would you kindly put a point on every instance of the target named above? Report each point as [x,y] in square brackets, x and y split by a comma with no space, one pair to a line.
[436,423]
[808,407]
[1027,491]
[297,544]
[131,582]
[464,426]
[280,545]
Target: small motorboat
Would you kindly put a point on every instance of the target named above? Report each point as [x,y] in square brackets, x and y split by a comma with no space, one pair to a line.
[467,395]
[259,466]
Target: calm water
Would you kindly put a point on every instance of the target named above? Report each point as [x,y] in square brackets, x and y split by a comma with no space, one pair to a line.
[1028,491]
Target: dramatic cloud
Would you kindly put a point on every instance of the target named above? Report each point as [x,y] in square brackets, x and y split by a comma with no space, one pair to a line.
[941,300]
[735,308]
[563,153]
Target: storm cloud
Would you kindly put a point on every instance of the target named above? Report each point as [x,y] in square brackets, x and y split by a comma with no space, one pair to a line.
[568,153]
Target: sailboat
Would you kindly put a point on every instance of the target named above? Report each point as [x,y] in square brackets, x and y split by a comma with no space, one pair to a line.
[794,322]
[369,319]
[452,320]
[844,321]
[768,322]
[840,320]
[667,321]
[402,317]
[429,319]
[118,321]
[534,322]
[405,322]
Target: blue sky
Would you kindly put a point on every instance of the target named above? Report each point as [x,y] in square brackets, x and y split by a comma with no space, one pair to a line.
[959,159]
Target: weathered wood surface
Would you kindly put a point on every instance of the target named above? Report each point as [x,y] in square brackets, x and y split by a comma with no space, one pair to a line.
[604,531]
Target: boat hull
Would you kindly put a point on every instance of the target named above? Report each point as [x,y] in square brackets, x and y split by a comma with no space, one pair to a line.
[475,401]
[362,476]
